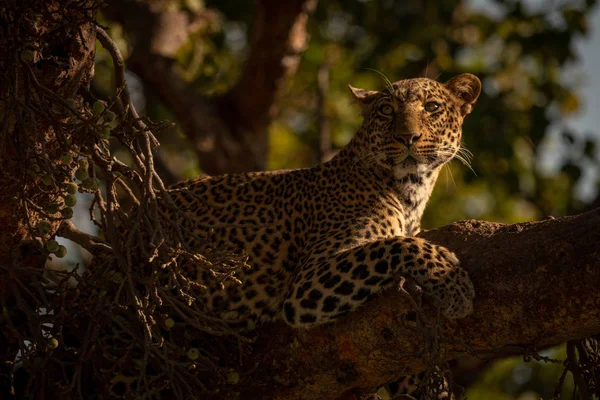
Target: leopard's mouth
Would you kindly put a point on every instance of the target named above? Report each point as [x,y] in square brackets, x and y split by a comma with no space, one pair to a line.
[412,160]
[404,161]
[409,164]
[425,158]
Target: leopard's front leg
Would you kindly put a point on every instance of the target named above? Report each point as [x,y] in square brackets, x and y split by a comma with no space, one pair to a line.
[329,286]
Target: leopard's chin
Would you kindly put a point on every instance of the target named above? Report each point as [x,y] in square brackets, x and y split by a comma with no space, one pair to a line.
[415,163]
[410,165]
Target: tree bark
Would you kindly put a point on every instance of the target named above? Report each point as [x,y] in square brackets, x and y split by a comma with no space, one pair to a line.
[229,132]
[536,283]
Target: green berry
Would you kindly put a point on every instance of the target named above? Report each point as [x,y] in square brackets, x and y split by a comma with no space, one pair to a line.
[47,180]
[193,353]
[105,132]
[67,213]
[87,184]
[169,323]
[233,378]
[95,183]
[61,252]
[81,174]
[53,343]
[70,200]
[27,56]
[53,208]
[72,187]
[66,158]
[52,246]
[98,107]
[43,226]
[117,277]
[91,184]
[109,116]
[71,102]
[83,163]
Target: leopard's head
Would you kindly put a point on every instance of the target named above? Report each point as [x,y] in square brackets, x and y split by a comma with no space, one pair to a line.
[415,125]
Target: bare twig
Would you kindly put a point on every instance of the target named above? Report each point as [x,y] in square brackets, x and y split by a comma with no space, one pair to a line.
[93,244]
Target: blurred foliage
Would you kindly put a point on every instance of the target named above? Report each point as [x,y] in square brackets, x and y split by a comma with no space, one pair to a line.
[513,379]
[520,50]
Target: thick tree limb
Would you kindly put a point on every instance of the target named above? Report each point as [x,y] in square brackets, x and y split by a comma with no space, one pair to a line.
[537,285]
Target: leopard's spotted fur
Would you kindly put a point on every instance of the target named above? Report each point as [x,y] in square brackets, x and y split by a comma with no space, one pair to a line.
[322,241]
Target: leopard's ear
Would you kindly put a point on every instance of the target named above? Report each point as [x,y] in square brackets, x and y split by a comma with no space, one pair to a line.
[467,88]
[362,95]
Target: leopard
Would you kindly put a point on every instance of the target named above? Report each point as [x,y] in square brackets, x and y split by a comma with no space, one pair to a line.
[323,241]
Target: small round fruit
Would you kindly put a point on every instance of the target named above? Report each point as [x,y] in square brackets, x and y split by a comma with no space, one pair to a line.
[61,252]
[83,163]
[52,208]
[105,132]
[193,353]
[92,184]
[117,277]
[27,56]
[72,187]
[169,323]
[66,158]
[67,213]
[53,343]
[43,226]
[70,200]
[52,246]
[47,180]
[233,378]
[98,107]
[81,174]
[109,116]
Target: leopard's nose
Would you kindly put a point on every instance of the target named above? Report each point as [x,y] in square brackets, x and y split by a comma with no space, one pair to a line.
[407,138]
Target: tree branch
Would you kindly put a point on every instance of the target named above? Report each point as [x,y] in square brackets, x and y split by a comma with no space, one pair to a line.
[537,286]
[229,133]
[93,244]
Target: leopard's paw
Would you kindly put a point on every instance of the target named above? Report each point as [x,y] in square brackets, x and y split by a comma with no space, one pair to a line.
[449,284]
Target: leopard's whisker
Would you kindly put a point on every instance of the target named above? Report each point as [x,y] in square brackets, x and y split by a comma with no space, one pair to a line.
[388,83]
[449,171]
[458,154]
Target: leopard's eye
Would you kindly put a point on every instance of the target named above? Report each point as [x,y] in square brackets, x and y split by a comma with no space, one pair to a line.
[431,106]
[386,109]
